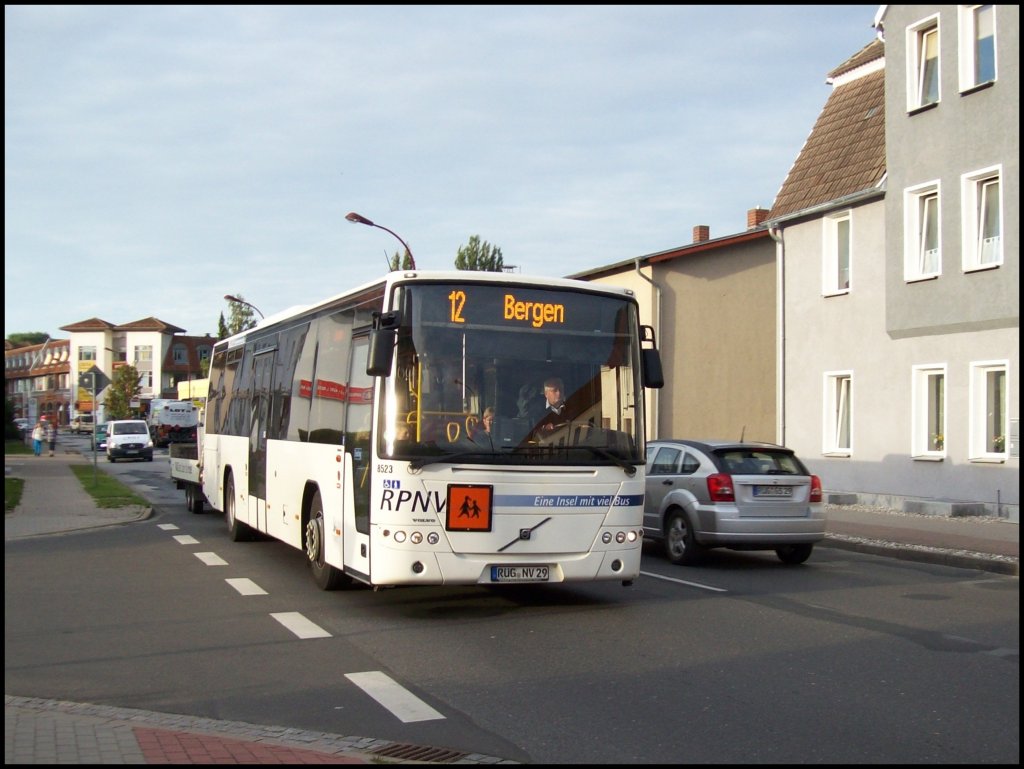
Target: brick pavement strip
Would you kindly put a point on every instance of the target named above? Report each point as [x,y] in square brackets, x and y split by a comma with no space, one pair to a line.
[42,731]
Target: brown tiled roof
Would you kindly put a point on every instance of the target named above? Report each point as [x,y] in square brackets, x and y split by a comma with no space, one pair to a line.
[150,324]
[93,324]
[845,152]
[873,50]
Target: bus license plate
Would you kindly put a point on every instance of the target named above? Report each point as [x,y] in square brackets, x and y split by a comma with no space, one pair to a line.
[519,573]
[773,491]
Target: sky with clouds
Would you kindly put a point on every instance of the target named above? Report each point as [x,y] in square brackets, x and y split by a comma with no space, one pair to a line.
[157,158]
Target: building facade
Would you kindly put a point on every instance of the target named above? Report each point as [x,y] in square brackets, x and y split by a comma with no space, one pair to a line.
[899,264]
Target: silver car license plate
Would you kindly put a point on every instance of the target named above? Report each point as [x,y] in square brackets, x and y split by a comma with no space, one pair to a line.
[773,491]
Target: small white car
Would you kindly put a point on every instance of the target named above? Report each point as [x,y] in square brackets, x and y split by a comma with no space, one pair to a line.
[129,439]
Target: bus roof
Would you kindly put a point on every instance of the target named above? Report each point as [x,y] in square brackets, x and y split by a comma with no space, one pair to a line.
[403,276]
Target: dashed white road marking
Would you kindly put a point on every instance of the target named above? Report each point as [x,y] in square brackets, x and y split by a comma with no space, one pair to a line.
[167,526]
[406,706]
[684,582]
[299,625]
[211,559]
[246,586]
[186,539]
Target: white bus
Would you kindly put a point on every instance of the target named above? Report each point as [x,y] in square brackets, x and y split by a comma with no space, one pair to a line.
[349,429]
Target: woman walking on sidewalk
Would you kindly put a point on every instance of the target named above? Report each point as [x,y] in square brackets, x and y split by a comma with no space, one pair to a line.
[37,439]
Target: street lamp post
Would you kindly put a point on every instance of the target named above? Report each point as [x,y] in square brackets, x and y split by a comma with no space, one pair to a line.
[231,298]
[354,217]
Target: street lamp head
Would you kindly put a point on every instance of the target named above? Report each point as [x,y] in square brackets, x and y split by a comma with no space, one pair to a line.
[354,217]
[360,219]
[231,298]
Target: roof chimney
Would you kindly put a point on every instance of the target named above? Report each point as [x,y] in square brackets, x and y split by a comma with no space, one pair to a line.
[756,217]
[701,233]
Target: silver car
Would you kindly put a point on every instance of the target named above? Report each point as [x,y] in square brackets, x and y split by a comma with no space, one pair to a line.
[741,496]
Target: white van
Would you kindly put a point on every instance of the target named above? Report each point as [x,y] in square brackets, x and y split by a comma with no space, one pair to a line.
[128,439]
[82,424]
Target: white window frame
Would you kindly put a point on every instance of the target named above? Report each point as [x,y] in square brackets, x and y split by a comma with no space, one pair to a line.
[928,404]
[968,23]
[982,429]
[143,352]
[832,283]
[917,44]
[837,416]
[980,252]
[917,264]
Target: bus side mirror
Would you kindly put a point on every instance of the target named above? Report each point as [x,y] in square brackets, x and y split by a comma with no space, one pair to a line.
[650,360]
[382,344]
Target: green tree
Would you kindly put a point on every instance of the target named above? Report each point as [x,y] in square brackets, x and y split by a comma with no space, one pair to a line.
[479,256]
[240,316]
[124,388]
[24,338]
[222,328]
[400,261]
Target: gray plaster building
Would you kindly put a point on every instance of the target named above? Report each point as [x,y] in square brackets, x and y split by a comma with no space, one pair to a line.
[898,254]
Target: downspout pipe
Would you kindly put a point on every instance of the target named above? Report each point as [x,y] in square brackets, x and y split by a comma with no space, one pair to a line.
[780,336]
[653,424]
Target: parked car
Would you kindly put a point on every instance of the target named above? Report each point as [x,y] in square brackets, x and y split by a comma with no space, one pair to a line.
[22,424]
[736,495]
[82,424]
[129,439]
[99,441]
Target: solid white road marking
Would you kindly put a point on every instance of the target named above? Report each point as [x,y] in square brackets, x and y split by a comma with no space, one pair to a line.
[684,582]
[406,706]
[211,559]
[246,586]
[168,527]
[299,625]
[186,539]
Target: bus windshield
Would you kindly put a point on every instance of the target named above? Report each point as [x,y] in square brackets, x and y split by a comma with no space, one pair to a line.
[514,375]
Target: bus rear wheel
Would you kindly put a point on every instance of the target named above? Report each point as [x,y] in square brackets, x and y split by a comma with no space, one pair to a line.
[237,530]
[325,576]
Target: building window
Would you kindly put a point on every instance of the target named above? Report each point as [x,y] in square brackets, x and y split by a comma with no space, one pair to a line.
[143,352]
[180,354]
[146,380]
[923,63]
[87,353]
[203,352]
[836,250]
[989,419]
[982,219]
[977,45]
[838,416]
[922,255]
[929,415]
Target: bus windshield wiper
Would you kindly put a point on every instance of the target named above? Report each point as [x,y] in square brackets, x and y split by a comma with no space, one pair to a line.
[629,469]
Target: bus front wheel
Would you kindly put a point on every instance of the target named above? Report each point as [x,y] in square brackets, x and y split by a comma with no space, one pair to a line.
[325,576]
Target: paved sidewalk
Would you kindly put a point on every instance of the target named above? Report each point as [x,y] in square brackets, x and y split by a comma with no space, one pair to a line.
[47,731]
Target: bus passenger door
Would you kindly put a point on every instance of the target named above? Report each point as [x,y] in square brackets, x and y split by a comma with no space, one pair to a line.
[358,432]
[263,370]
